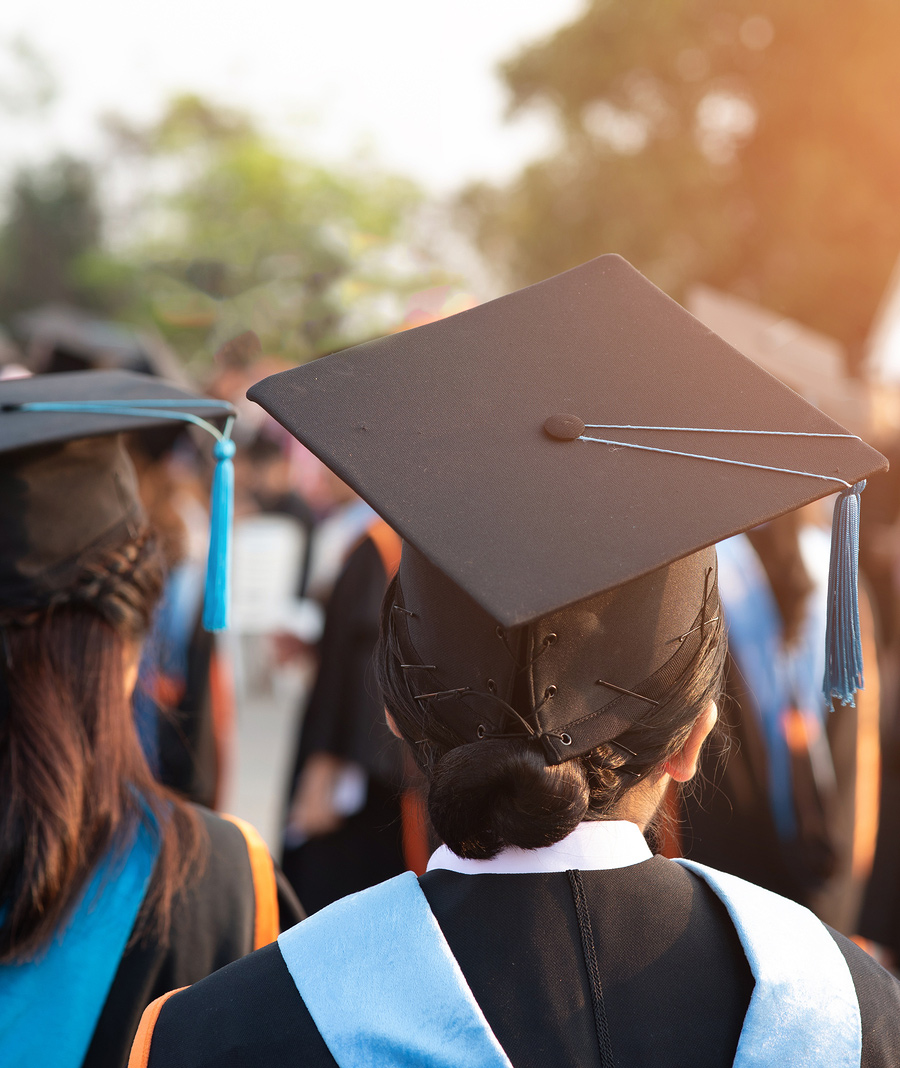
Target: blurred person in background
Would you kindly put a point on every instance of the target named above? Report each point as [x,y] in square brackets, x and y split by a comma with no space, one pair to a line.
[354,814]
[60,338]
[880,552]
[264,483]
[113,889]
[183,700]
[793,803]
[880,918]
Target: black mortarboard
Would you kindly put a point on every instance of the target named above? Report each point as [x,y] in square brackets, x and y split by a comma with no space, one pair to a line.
[67,486]
[62,339]
[563,446]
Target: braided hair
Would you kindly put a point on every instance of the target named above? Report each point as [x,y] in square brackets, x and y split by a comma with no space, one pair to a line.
[74,782]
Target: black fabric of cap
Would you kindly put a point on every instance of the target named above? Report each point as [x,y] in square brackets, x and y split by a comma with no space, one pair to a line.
[67,486]
[468,436]
[569,673]
[61,504]
[441,430]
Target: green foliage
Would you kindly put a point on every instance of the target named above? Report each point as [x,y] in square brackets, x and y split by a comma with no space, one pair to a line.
[219,231]
[245,236]
[749,144]
[52,221]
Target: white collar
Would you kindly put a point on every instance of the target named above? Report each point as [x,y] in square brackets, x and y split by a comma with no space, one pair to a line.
[592,846]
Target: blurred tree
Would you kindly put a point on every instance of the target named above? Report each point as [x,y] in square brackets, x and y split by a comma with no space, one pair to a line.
[230,233]
[749,144]
[199,226]
[52,220]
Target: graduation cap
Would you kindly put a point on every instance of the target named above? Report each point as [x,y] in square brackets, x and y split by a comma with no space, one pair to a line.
[62,339]
[558,462]
[67,486]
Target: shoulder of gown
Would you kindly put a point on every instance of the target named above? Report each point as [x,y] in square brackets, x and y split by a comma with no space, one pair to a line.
[237,903]
[251,1011]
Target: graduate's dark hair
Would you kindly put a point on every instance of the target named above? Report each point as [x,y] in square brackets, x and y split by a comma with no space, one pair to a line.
[485,795]
[73,779]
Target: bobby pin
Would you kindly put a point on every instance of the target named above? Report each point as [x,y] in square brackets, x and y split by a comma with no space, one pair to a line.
[424,667]
[400,608]
[442,693]
[508,708]
[630,693]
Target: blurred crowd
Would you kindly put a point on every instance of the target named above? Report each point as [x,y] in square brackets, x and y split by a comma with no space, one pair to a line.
[797,800]
[793,798]
[311,561]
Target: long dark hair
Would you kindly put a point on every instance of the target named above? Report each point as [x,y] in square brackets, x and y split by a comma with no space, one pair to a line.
[493,793]
[73,779]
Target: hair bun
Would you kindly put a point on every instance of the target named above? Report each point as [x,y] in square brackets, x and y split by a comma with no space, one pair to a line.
[491,794]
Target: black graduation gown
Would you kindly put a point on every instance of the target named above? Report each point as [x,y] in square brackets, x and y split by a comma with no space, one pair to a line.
[727,821]
[345,718]
[880,917]
[188,750]
[214,923]
[175,707]
[676,983]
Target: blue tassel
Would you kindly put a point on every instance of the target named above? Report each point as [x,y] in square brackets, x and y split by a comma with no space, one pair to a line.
[217,597]
[843,642]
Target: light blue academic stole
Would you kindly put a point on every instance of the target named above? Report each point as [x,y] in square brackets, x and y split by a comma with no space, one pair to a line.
[49,1007]
[383,988]
[755,640]
[803,1011]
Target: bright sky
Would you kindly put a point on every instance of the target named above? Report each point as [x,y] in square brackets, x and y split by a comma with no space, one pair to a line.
[411,81]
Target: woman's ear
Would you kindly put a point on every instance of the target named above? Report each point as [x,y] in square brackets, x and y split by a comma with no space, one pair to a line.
[392,726]
[683,766]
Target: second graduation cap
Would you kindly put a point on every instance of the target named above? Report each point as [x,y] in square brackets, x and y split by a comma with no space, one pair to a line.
[571,441]
[67,486]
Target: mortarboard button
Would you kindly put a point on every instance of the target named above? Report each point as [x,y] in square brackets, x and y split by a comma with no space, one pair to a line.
[564,427]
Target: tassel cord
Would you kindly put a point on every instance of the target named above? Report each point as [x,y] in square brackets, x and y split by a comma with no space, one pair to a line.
[141,410]
[217,596]
[714,459]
